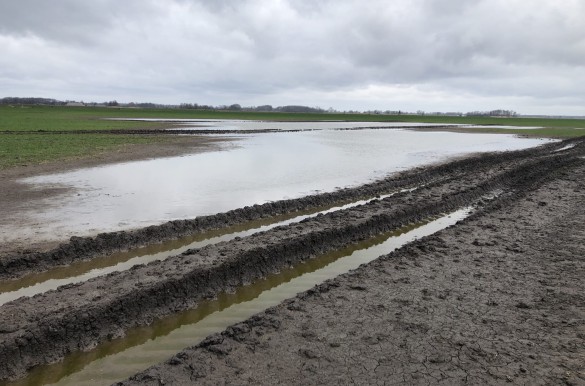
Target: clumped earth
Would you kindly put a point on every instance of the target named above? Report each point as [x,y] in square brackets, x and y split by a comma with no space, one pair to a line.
[496,298]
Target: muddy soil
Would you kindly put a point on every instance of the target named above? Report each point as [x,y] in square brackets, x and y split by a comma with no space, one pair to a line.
[46,327]
[496,299]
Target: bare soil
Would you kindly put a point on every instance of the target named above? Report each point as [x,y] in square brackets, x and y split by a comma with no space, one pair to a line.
[461,306]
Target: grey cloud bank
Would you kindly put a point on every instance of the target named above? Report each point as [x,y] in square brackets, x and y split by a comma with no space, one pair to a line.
[431,55]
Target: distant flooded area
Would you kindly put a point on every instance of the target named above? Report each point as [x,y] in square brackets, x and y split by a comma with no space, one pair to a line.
[253,169]
[251,125]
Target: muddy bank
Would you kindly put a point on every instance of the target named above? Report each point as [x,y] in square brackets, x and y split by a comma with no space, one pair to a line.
[496,299]
[20,262]
[48,326]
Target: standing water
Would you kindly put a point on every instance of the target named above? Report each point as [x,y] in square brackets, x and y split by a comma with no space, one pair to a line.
[264,167]
[145,346]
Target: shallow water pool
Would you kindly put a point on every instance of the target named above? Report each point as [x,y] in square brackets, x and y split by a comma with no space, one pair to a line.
[263,167]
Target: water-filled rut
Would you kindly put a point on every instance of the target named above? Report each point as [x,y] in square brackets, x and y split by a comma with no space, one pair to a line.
[145,346]
[87,269]
[76,317]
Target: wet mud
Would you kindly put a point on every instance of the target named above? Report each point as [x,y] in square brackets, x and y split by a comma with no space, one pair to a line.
[145,346]
[83,270]
[45,328]
[496,299]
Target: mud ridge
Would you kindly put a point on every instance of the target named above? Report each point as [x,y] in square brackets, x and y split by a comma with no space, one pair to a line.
[24,262]
[46,327]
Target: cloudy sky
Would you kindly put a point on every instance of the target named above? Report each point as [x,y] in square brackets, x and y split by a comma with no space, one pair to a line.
[433,55]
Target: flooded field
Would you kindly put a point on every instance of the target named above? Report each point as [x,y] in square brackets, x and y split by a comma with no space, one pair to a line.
[254,169]
[219,124]
[110,313]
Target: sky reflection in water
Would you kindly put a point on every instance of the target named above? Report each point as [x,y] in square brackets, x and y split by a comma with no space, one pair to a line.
[262,168]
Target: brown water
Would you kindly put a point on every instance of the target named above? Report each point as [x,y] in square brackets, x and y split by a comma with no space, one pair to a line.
[84,270]
[146,346]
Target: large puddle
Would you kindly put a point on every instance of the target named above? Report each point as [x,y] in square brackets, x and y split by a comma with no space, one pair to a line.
[264,167]
[143,347]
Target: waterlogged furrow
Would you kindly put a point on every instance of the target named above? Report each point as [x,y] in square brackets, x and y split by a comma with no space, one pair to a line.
[146,346]
[34,284]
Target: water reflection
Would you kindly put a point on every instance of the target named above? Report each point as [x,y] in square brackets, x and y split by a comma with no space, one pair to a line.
[266,167]
[236,124]
[84,270]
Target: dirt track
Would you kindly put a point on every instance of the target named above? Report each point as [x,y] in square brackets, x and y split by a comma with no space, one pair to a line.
[48,326]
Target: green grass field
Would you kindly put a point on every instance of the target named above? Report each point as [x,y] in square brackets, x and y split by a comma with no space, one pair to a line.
[32,147]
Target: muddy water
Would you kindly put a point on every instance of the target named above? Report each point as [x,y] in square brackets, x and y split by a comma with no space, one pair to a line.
[146,346]
[85,270]
[264,167]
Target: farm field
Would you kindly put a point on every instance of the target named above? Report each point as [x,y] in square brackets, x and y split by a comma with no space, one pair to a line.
[292,193]
[195,232]
[32,135]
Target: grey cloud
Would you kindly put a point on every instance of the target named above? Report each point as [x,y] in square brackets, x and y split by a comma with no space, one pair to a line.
[64,20]
[163,50]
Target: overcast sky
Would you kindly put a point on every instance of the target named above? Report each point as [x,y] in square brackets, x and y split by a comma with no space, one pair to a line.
[433,55]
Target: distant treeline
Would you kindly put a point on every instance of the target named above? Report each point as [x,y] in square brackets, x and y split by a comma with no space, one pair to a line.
[263,108]
[193,106]
[31,101]
[237,107]
[55,102]
[492,113]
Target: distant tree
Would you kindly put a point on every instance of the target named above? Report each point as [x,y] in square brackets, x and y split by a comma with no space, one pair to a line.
[493,113]
[146,105]
[299,109]
[189,106]
[30,101]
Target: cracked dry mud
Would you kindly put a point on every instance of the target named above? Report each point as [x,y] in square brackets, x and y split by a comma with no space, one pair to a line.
[496,298]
